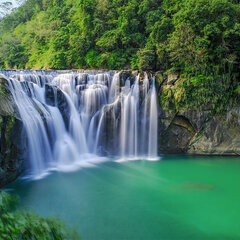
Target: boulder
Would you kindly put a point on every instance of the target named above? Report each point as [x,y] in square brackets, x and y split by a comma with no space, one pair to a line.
[172,78]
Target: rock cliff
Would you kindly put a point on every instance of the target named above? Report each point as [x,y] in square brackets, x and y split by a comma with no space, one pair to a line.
[191,131]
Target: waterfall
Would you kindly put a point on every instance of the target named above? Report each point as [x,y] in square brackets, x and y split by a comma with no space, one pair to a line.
[73,117]
[129,119]
[32,112]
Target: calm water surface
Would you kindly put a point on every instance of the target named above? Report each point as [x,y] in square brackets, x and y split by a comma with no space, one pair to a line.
[177,198]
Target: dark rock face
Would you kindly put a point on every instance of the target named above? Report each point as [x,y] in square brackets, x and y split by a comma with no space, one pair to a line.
[13,141]
[176,135]
[124,75]
[193,132]
[220,136]
[55,97]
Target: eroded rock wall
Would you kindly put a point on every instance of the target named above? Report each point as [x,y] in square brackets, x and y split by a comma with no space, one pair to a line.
[199,132]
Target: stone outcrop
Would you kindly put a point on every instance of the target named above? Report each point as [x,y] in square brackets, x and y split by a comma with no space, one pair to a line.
[172,78]
[193,132]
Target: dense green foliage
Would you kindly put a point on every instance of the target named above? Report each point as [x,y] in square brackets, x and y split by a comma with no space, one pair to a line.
[26,226]
[198,39]
[190,35]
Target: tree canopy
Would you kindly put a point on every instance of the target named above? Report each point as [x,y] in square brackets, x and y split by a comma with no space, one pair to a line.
[197,39]
[189,36]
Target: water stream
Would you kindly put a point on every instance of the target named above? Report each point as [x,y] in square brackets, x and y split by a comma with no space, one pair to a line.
[76,118]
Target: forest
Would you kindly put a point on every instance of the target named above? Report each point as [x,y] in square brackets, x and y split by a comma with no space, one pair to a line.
[197,39]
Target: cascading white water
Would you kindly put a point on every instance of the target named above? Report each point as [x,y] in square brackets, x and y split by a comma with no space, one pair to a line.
[129,119]
[69,116]
[32,112]
[153,123]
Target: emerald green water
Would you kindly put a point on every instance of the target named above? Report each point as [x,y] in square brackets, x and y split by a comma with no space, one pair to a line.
[176,198]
